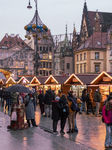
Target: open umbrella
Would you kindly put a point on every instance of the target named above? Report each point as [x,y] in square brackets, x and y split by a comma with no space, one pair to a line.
[18,88]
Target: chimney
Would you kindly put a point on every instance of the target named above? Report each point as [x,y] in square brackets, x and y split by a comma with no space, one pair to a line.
[6,35]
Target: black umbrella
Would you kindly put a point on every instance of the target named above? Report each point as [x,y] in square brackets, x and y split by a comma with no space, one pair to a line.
[18,88]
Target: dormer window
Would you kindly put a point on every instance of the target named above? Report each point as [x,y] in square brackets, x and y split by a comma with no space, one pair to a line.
[5,42]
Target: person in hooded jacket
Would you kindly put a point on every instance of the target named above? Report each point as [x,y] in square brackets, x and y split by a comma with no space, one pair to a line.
[56,108]
[48,98]
[41,101]
[29,110]
[84,93]
[64,112]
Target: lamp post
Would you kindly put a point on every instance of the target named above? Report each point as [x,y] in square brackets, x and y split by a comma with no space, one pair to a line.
[36,64]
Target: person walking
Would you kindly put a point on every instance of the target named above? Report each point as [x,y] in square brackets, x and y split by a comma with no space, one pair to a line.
[98,99]
[64,113]
[48,98]
[89,100]
[14,96]
[107,116]
[84,93]
[8,101]
[41,101]
[56,108]
[29,110]
[71,117]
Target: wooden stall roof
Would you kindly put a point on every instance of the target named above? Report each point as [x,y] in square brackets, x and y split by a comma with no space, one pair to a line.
[42,79]
[61,79]
[99,78]
[86,78]
[20,79]
[2,76]
[10,80]
[73,79]
[33,81]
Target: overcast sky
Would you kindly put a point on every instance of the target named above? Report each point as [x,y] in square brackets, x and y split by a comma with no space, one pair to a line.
[14,14]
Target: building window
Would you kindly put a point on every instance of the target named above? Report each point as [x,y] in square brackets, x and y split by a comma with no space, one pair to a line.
[97,68]
[43,64]
[18,43]
[50,72]
[1,54]
[46,64]
[96,55]
[77,69]
[84,68]
[43,48]
[50,49]
[40,48]
[7,54]
[44,56]
[80,68]
[1,63]
[50,56]
[56,60]
[26,63]
[21,64]
[110,67]
[50,65]
[84,56]
[26,55]
[31,64]
[40,72]
[30,72]
[68,66]
[5,42]
[46,49]
[10,43]
[80,56]
[77,57]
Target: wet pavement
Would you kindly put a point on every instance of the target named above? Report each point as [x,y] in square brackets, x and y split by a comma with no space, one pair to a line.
[91,135]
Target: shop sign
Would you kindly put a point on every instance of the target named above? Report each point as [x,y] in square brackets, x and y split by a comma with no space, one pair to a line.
[74,80]
[106,79]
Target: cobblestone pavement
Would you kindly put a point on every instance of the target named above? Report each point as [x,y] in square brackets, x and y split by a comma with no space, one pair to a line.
[91,135]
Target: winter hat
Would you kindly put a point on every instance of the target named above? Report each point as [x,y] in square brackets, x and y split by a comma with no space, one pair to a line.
[57,98]
[109,98]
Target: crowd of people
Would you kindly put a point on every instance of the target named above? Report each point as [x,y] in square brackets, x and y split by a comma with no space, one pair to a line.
[60,107]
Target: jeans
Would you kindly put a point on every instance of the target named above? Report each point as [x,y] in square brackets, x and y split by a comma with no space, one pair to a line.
[75,123]
[108,139]
[83,106]
[97,108]
[48,110]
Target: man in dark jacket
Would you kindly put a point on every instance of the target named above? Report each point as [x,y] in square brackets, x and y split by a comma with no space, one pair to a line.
[48,98]
[41,99]
[8,101]
[97,98]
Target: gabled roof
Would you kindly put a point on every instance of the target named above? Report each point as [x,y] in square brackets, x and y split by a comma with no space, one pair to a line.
[86,78]
[42,79]
[98,77]
[37,81]
[22,78]
[96,41]
[10,80]
[12,41]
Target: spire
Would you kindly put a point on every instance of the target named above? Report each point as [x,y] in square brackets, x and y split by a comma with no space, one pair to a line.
[85,6]
[66,29]
[33,21]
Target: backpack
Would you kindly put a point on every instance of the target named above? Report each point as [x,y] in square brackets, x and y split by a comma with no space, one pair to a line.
[74,106]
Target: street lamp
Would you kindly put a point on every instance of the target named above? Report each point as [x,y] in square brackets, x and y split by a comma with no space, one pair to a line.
[36,29]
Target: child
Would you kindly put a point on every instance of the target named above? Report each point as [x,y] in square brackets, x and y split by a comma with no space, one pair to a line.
[56,107]
[107,116]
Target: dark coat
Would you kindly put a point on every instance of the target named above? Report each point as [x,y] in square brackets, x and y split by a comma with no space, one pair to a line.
[65,109]
[97,96]
[83,97]
[49,97]
[41,98]
[56,108]
[7,95]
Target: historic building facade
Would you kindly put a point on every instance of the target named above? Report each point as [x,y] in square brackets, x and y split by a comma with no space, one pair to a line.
[63,57]
[16,56]
[45,49]
[94,52]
